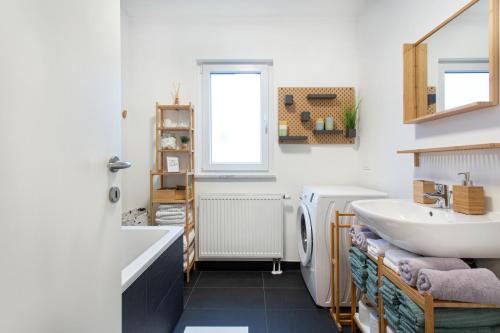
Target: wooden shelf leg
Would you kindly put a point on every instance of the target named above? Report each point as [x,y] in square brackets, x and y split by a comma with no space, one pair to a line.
[429,313]
[353,306]
[416,160]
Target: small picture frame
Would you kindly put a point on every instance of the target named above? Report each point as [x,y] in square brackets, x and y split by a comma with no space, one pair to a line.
[173,164]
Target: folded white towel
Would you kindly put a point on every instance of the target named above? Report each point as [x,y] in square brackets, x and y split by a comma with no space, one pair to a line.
[188,240]
[378,246]
[170,222]
[191,258]
[391,265]
[169,213]
[396,254]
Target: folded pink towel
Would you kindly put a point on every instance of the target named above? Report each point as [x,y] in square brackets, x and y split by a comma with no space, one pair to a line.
[410,267]
[464,285]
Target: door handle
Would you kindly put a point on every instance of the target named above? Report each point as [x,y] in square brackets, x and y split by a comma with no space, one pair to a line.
[114,164]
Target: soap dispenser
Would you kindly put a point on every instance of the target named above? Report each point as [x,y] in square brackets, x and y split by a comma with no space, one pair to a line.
[468,199]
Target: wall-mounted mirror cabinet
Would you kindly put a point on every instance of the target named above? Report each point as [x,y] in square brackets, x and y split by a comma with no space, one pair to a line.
[454,68]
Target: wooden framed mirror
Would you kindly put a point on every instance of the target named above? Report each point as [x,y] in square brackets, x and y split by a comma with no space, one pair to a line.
[454,68]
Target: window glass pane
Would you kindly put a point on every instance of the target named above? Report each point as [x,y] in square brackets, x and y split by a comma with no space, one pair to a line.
[463,88]
[236,118]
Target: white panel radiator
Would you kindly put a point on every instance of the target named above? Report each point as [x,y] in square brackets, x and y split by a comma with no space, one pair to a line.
[240,226]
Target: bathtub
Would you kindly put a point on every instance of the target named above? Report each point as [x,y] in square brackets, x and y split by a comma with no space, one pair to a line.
[152,278]
[141,246]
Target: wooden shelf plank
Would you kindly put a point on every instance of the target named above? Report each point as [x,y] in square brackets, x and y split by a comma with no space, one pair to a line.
[166,173]
[175,151]
[451,112]
[173,201]
[175,129]
[173,107]
[416,152]
[451,148]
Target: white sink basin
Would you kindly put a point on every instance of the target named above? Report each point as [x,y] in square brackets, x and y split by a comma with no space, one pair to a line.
[431,231]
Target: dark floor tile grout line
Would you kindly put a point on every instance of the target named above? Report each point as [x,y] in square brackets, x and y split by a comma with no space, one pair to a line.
[192,290]
[265,303]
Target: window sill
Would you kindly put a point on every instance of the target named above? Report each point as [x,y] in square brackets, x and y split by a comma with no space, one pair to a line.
[229,176]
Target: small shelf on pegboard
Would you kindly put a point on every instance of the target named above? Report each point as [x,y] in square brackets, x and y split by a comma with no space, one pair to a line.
[321,96]
[293,138]
[334,131]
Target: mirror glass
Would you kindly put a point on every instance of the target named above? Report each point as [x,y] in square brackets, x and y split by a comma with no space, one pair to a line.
[458,61]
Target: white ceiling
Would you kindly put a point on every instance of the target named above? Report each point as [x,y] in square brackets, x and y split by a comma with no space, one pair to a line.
[243,8]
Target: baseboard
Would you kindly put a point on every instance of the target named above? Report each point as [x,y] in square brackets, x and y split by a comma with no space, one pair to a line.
[244,265]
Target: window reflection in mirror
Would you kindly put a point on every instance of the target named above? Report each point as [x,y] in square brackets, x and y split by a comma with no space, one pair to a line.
[457,61]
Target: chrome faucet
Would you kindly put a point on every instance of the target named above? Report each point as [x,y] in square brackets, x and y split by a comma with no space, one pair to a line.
[442,196]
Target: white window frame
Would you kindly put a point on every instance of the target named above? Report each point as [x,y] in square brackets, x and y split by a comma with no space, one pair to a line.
[206,167]
[456,65]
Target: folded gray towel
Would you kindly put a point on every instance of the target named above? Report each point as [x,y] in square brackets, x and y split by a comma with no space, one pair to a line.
[363,236]
[465,285]
[410,267]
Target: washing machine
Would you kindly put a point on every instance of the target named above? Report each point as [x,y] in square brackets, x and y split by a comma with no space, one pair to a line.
[316,212]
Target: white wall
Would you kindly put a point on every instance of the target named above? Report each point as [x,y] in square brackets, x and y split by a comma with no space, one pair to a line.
[382,129]
[311,43]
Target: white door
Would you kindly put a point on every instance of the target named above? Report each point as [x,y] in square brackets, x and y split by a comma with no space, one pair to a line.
[59,124]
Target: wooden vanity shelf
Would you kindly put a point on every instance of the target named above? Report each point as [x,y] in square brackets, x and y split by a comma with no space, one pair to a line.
[416,152]
[349,318]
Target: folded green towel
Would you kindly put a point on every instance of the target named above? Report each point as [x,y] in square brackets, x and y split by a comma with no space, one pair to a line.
[392,316]
[492,329]
[356,262]
[448,318]
[360,283]
[358,254]
[389,296]
[371,265]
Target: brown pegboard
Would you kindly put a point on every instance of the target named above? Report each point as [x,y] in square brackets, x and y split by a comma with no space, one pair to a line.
[431,109]
[320,108]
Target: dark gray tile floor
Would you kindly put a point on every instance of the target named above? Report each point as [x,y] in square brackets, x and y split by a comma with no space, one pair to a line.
[263,302]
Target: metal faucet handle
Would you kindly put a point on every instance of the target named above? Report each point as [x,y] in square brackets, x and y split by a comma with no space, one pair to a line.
[466,181]
[441,188]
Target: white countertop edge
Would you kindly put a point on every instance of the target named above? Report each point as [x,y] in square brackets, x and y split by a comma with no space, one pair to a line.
[142,262]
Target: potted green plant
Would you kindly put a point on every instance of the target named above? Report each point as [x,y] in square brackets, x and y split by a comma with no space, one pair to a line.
[350,118]
[184,141]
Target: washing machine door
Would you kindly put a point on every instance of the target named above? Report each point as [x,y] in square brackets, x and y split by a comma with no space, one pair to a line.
[305,234]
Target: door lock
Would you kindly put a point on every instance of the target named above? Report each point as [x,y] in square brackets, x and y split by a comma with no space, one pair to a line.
[114,194]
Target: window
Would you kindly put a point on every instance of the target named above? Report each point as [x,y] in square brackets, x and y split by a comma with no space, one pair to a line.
[235,116]
[462,82]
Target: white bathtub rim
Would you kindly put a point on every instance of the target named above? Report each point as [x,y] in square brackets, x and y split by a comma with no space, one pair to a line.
[140,264]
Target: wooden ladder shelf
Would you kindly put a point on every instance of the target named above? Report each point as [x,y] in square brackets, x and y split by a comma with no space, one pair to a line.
[158,195]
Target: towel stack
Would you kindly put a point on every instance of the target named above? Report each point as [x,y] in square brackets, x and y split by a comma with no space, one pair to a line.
[372,281]
[412,319]
[172,214]
[389,294]
[358,268]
